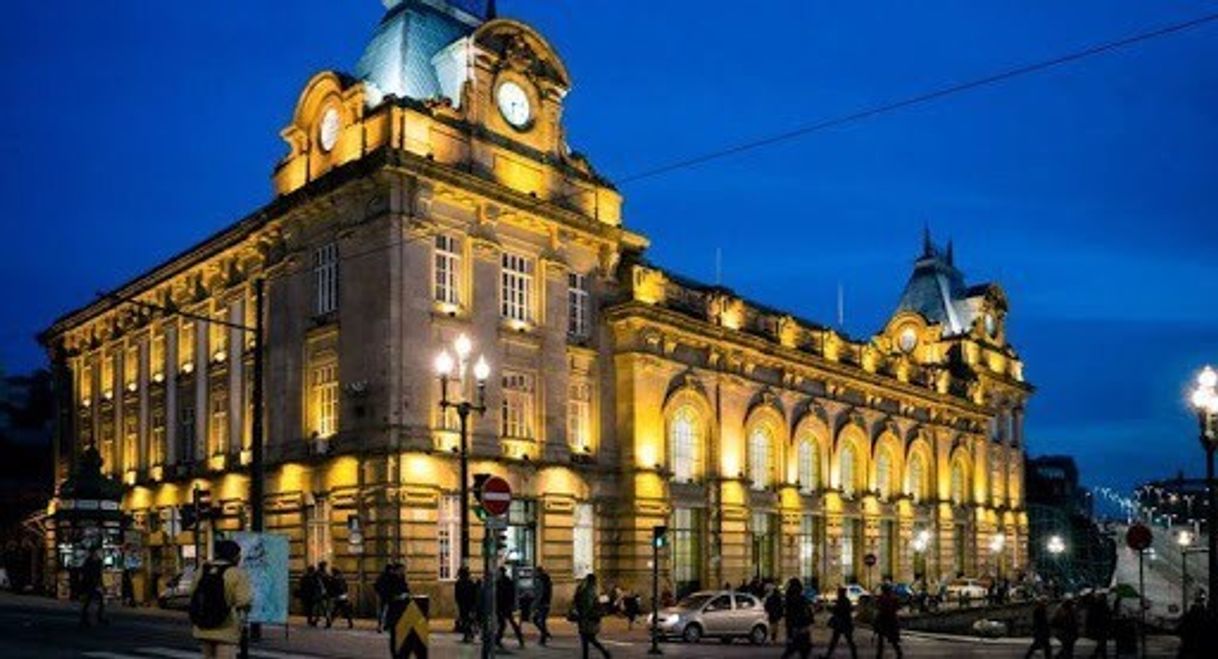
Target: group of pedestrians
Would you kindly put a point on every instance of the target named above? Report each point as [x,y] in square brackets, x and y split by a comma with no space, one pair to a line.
[325,595]
[797,611]
[533,606]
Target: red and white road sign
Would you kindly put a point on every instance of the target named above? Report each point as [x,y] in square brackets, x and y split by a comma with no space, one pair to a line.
[496,496]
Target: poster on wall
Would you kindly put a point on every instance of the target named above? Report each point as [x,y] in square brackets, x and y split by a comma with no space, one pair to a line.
[265,557]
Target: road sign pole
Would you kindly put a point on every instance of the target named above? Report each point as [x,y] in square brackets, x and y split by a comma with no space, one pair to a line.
[655,593]
[1142,600]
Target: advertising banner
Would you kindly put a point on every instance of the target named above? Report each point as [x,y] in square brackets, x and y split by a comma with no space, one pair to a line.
[265,557]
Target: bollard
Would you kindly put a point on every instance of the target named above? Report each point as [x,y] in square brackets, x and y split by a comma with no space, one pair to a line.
[409,627]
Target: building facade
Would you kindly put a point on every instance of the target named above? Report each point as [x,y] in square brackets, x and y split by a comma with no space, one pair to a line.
[433,193]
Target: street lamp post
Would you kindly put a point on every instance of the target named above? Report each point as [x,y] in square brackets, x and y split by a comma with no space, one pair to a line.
[1056,546]
[447,370]
[1184,539]
[1205,403]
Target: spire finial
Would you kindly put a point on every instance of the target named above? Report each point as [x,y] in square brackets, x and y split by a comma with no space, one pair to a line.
[492,12]
[928,247]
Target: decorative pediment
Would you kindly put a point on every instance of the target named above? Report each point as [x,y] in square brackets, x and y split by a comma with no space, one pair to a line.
[520,48]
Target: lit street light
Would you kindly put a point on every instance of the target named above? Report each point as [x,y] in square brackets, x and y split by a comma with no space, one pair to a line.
[447,369]
[1205,402]
[1184,539]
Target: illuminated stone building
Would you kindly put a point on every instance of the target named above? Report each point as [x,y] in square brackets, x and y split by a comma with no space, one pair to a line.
[433,193]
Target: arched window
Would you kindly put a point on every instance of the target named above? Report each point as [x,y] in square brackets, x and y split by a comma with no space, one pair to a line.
[808,466]
[917,477]
[685,445]
[760,456]
[846,470]
[883,473]
[957,482]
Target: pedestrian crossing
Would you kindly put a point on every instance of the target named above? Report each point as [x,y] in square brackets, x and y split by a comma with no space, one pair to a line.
[160,652]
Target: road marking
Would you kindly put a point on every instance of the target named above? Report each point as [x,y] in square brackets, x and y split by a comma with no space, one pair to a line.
[170,652]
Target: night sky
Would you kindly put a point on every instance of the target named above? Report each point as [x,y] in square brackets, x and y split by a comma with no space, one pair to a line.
[130,130]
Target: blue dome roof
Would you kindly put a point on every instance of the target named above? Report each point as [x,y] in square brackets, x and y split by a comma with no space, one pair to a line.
[398,60]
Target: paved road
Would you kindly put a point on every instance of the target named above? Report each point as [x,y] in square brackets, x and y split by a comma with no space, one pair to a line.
[34,627]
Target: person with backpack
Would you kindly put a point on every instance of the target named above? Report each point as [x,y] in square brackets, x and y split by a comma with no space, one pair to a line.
[219,600]
[841,621]
[799,621]
[773,611]
[92,590]
[340,599]
[587,615]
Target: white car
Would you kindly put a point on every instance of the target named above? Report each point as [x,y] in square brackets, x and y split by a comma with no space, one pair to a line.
[715,614]
[971,589]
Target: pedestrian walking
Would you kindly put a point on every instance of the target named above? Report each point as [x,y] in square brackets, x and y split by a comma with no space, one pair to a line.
[632,609]
[340,599]
[587,613]
[219,601]
[1040,630]
[887,624]
[1065,628]
[1098,623]
[307,592]
[322,599]
[505,608]
[841,621]
[465,592]
[773,611]
[92,589]
[390,587]
[799,621]
[1192,631]
[541,607]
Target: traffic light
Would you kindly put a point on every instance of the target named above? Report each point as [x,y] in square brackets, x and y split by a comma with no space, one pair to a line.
[501,540]
[479,481]
[189,517]
[659,537]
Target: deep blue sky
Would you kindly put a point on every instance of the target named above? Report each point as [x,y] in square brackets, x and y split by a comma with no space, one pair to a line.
[132,129]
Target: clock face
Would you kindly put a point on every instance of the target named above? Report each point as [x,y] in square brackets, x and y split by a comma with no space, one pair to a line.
[908,340]
[514,104]
[328,133]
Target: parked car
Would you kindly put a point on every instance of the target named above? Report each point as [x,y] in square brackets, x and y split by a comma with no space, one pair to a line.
[966,589]
[715,614]
[176,594]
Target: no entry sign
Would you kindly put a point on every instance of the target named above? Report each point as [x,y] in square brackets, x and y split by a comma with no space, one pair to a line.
[1138,537]
[869,559]
[496,496]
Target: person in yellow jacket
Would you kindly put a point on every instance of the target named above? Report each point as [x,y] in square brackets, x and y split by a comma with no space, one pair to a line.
[218,621]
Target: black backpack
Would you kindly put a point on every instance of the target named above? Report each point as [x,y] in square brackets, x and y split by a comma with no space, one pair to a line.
[209,607]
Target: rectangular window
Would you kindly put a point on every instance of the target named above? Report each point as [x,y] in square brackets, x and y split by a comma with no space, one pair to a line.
[131,441]
[447,270]
[325,279]
[685,528]
[156,445]
[217,335]
[156,356]
[578,305]
[323,392]
[448,536]
[85,379]
[583,539]
[764,531]
[186,345]
[887,547]
[318,547]
[516,289]
[186,431]
[807,547]
[217,427]
[579,416]
[107,376]
[131,367]
[517,405]
[849,525]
